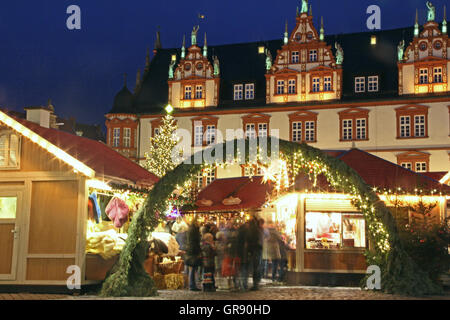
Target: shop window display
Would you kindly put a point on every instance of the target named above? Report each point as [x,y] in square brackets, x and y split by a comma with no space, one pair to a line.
[334,230]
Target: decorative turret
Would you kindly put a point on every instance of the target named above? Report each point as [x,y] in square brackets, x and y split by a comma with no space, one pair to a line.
[416,24]
[147,60]
[286,34]
[138,81]
[183,48]
[205,48]
[322,31]
[157,45]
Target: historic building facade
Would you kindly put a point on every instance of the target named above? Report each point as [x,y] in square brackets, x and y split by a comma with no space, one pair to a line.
[366,90]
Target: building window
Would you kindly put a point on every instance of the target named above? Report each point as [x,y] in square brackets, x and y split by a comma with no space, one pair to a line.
[199,92]
[310,131]
[291,86]
[406,165]
[361,129]
[198,135]
[334,230]
[250,131]
[249,91]
[347,127]
[126,137]
[316,85]
[372,84]
[312,55]
[205,177]
[421,167]
[210,134]
[405,126]
[295,57]
[116,137]
[437,75]
[9,149]
[262,129]
[419,126]
[280,87]
[297,131]
[251,170]
[238,91]
[423,76]
[327,83]
[187,92]
[360,84]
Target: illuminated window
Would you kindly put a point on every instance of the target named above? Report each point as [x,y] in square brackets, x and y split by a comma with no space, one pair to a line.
[210,134]
[405,126]
[361,129]
[205,177]
[334,230]
[295,57]
[249,91]
[316,85]
[261,50]
[291,86]
[437,75]
[419,126]
[373,40]
[187,92]
[347,128]
[252,170]
[423,76]
[250,130]
[372,84]
[238,88]
[297,131]
[421,167]
[8,207]
[327,83]
[280,87]
[310,130]
[116,137]
[9,149]
[406,165]
[198,135]
[126,137]
[360,84]
[199,92]
[312,55]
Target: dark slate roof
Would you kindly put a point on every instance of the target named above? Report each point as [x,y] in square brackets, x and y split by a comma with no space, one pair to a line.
[123,101]
[241,63]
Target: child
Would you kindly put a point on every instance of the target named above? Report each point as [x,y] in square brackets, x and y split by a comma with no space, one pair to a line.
[208,255]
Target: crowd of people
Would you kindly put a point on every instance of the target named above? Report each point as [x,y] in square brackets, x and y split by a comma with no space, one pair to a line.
[226,258]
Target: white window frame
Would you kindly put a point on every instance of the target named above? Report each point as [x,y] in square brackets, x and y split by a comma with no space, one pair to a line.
[238,92]
[116,137]
[316,84]
[295,57]
[280,86]
[405,126]
[347,129]
[313,55]
[250,130]
[249,91]
[310,131]
[199,91]
[437,73]
[187,92]
[423,76]
[419,125]
[360,84]
[292,86]
[372,84]
[210,134]
[262,129]
[297,127]
[406,165]
[421,166]
[327,81]
[361,129]
[126,137]
[8,149]
[198,135]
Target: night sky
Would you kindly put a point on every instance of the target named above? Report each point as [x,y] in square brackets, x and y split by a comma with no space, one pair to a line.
[82,70]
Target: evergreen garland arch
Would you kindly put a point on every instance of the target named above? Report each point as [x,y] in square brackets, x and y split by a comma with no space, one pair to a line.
[399,273]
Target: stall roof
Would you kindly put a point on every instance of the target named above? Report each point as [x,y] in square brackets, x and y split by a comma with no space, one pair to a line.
[251,191]
[384,174]
[105,162]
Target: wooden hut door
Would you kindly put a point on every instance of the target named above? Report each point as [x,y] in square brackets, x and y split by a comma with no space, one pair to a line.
[10,203]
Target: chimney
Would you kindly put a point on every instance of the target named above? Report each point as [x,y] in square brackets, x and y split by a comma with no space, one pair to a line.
[39,115]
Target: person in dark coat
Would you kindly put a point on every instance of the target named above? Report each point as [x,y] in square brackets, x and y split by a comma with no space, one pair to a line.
[255,239]
[193,253]
[242,254]
[208,255]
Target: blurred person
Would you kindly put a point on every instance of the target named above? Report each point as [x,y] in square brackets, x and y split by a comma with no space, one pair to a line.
[208,255]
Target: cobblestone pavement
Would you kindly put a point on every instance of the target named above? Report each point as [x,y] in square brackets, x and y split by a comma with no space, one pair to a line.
[265,293]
